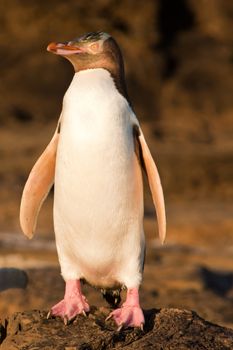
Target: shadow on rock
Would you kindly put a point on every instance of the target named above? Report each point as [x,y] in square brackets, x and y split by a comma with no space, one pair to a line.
[12,278]
[220,282]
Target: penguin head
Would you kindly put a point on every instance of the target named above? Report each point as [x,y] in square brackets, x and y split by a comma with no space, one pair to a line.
[94,50]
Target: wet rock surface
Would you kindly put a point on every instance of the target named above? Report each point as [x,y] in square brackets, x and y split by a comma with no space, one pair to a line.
[164,329]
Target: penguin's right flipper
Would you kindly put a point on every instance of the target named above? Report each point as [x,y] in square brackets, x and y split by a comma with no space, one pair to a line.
[147,162]
[38,185]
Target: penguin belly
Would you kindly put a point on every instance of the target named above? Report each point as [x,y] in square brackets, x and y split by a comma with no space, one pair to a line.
[98,202]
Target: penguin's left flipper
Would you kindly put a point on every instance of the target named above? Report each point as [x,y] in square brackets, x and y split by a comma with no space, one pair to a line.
[38,185]
[151,170]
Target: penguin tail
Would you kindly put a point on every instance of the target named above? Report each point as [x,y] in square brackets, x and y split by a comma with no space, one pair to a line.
[112,296]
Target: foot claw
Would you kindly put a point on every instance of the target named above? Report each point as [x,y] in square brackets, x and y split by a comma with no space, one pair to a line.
[84,313]
[142,326]
[120,327]
[66,321]
[48,315]
[109,316]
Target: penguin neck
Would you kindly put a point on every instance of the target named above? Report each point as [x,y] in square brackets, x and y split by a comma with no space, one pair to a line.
[95,84]
[118,77]
[93,99]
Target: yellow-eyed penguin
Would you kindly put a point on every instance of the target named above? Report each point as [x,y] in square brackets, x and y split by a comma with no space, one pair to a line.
[95,161]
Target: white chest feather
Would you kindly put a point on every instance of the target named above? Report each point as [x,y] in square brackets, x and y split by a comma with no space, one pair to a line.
[98,205]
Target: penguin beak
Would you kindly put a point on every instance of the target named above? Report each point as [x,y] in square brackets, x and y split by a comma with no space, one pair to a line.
[64,49]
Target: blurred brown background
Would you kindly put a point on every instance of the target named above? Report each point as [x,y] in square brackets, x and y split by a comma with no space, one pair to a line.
[179,67]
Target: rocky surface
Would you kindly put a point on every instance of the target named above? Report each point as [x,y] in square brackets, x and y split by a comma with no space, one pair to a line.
[164,329]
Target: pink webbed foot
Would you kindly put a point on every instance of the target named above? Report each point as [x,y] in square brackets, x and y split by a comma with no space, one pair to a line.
[130,314]
[73,304]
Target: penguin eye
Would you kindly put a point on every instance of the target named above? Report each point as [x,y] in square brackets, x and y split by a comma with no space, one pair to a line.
[94,47]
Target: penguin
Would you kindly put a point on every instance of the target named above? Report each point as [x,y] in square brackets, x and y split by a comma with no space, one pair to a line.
[95,161]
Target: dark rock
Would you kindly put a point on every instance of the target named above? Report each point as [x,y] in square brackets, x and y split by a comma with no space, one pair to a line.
[164,329]
[220,282]
[12,278]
